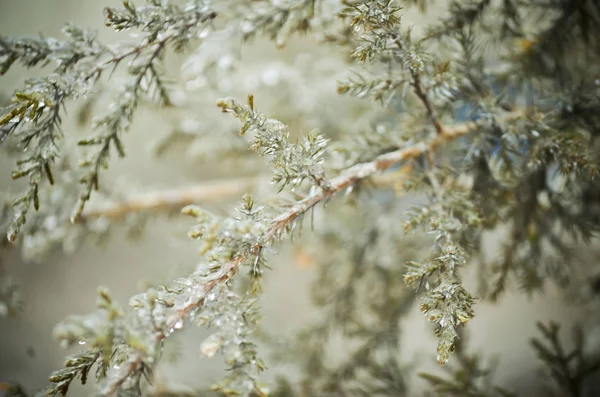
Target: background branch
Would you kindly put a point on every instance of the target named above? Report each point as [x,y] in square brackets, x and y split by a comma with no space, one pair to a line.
[172,198]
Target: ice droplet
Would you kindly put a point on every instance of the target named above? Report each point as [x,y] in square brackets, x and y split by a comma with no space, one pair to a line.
[178,324]
[225,61]
[211,296]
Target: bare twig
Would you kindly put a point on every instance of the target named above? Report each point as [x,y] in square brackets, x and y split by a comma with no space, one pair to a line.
[173,198]
[418,87]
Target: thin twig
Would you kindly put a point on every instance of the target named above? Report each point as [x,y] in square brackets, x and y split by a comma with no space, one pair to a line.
[173,198]
[133,366]
[417,85]
[164,330]
[225,273]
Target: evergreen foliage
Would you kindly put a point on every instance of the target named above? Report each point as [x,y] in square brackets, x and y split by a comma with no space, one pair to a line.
[488,119]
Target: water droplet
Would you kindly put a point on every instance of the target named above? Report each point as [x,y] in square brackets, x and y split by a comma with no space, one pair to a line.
[211,296]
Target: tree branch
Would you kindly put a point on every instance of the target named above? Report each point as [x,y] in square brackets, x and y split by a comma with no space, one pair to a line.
[196,295]
[218,189]
[133,366]
[193,301]
[364,170]
[171,199]
[417,85]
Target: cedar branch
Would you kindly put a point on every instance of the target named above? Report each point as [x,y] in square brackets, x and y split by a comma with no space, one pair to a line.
[214,190]
[346,179]
[361,171]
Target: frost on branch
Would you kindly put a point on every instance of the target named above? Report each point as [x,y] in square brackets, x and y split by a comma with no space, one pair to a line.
[445,302]
[126,345]
[292,162]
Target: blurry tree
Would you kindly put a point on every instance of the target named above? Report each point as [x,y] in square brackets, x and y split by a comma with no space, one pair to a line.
[487,120]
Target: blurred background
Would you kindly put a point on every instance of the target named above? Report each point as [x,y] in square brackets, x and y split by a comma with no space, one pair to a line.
[64,284]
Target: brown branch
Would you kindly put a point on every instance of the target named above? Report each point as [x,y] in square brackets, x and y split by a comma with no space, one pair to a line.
[194,301]
[225,273]
[417,85]
[346,179]
[171,199]
[133,366]
[364,170]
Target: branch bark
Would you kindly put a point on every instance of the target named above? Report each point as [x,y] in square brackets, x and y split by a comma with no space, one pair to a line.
[171,199]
